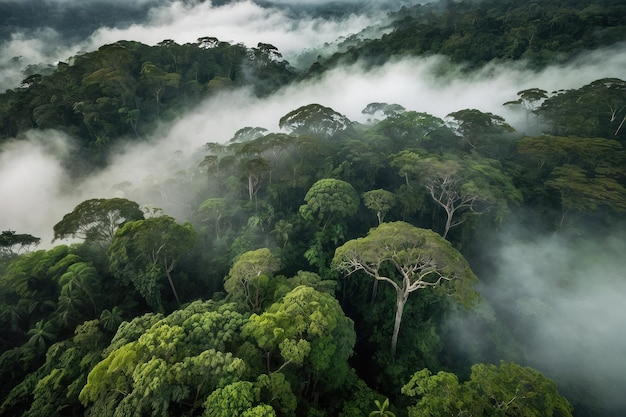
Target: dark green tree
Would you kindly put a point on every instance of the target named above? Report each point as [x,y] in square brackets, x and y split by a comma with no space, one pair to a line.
[144,252]
[97,220]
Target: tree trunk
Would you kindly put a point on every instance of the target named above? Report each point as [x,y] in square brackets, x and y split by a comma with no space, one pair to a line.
[374,291]
[400,302]
[168,269]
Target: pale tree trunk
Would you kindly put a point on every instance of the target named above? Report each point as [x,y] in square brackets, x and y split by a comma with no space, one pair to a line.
[401,297]
[374,291]
[449,215]
[168,269]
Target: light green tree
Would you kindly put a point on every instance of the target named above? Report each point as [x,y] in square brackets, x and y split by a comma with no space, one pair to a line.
[241,398]
[248,278]
[382,409]
[379,201]
[505,390]
[175,362]
[306,332]
[328,204]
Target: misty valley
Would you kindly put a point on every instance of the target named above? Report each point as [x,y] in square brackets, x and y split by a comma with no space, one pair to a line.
[299,208]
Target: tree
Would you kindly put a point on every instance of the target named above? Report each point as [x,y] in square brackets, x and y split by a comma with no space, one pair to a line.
[163,366]
[402,130]
[597,109]
[248,133]
[586,173]
[145,251]
[314,119]
[463,187]
[475,127]
[252,169]
[240,398]
[42,334]
[307,330]
[418,258]
[582,193]
[530,100]
[111,319]
[505,390]
[328,201]
[158,81]
[380,201]
[12,244]
[80,286]
[213,210]
[379,111]
[97,220]
[249,276]
[61,377]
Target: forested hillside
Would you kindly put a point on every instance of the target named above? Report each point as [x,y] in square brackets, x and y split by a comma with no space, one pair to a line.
[408,263]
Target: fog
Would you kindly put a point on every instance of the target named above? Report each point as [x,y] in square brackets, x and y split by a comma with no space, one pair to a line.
[243,22]
[570,293]
[417,84]
[567,297]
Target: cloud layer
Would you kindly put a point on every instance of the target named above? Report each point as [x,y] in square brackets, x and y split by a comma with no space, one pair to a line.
[568,297]
[237,22]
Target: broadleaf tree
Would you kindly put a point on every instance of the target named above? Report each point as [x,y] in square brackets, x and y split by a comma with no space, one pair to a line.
[145,252]
[417,258]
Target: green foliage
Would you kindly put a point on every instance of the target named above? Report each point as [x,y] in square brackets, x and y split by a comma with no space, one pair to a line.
[174,364]
[593,110]
[476,33]
[291,356]
[586,173]
[505,390]
[12,243]
[97,220]
[329,200]
[379,201]
[308,330]
[144,252]
[382,409]
[236,399]
[408,258]
[249,278]
[124,89]
[315,120]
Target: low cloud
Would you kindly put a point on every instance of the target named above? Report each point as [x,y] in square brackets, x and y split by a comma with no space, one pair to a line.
[238,22]
[415,83]
[568,299]
[32,179]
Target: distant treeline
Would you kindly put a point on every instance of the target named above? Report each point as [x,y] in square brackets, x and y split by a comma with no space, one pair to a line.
[476,32]
[124,89]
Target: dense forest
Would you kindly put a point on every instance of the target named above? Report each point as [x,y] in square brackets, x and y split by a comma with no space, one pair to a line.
[328,266]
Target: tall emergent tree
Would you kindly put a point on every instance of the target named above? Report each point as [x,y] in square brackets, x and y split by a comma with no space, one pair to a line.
[461,187]
[97,220]
[146,251]
[12,244]
[409,259]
